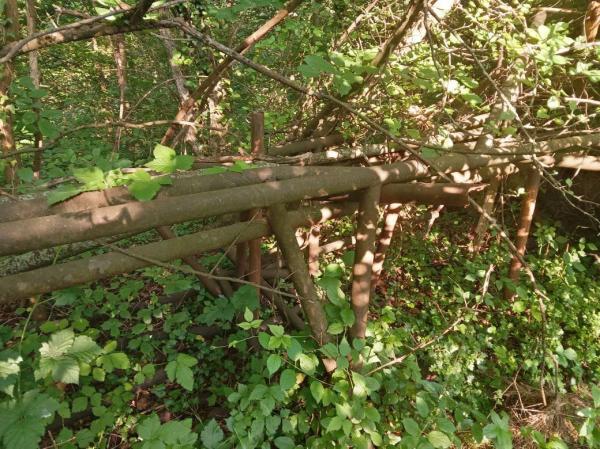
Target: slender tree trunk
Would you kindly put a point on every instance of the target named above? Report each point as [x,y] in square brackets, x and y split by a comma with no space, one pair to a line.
[366,230]
[7,137]
[311,303]
[34,73]
[314,249]
[257,122]
[118,42]
[385,239]
[488,207]
[532,188]
[409,30]
[209,84]
[592,20]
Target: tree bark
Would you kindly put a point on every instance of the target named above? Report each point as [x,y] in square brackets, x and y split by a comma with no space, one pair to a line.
[366,230]
[83,32]
[311,303]
[314,237]
[315,144]
[532,188]
[257,147]
[118,42]
[182,185]
[489,200]
[138,217]
[7,137]
[34,73]
[385,239]
[68,274]
[206,87]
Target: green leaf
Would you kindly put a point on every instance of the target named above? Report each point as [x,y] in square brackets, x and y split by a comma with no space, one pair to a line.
[347,316]
[47,129]
[179,371]
[91,177]
[439,440]
[211,435]
[79,404]
[596,396]
[273,363]
[143,187]
[287,379]
[411,426]
[317,390]
[167,161]
[63,193]
[98,374]
[335,423]
[335,328]
[315,65]
[23,422]
[553,102]
[114,360]
[284,443]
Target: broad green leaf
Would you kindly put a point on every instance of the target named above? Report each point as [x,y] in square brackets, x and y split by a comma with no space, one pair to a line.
[115,360]
[287,379]
[439,440]
[144,187]
[91,177]
[273,363]
[211,435]
[411,426]
[315,65]
[23,422]
[317,390]
[284,443]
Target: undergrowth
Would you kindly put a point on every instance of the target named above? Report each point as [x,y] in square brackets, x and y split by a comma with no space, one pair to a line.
[133,362]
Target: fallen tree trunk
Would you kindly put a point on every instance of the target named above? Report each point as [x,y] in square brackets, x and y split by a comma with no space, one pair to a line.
[315,144]
[140,216]
[136,217]
[421,193]
[183,185]
[447,194]
[68,274]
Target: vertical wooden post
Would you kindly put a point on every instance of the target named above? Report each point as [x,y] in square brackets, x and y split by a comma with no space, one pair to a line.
[257,121]
[385,239]
[366,230]
[532,187]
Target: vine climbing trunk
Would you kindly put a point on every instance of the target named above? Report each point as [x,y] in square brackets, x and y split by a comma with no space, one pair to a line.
[366,230]
[532,188]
